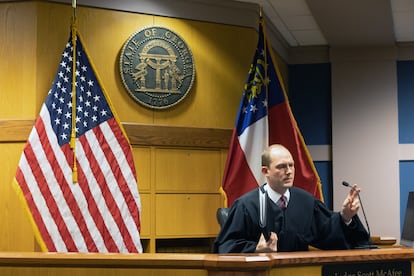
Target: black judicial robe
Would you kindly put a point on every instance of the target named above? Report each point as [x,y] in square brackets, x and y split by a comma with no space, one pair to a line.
[306,221]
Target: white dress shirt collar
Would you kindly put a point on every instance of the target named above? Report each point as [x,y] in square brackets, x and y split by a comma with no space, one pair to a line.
[274,196]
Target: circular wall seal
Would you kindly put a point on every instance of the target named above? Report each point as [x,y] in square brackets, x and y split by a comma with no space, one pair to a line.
[157,67]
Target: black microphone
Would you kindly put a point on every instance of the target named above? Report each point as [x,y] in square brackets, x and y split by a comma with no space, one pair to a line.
[370,245]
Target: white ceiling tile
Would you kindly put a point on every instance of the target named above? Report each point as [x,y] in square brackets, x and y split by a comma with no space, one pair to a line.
[309,37]
[403,26]
[277,21]
[403,16]
[295,22]
[295,15]
[291,7]
[402,5]
[301,22]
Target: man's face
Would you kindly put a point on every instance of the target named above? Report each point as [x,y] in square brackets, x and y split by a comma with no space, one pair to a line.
[281,170]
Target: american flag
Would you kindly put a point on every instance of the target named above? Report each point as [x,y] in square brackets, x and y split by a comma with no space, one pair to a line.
[101,211]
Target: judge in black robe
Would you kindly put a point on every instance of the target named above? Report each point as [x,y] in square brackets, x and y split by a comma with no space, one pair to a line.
[305,222]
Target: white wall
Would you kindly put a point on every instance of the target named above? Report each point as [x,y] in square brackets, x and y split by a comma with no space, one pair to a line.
[365,146]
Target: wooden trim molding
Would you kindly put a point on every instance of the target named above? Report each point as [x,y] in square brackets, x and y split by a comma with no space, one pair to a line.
[223,262]
[15,130]
[159,135]
[138,134]
[224,12]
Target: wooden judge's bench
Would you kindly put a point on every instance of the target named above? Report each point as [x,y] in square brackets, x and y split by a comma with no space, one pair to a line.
[395,261]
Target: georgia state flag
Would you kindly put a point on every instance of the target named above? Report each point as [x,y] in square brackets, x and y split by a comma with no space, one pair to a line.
[265,118]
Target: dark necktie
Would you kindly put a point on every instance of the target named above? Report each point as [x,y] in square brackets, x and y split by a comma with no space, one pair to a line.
[282,202]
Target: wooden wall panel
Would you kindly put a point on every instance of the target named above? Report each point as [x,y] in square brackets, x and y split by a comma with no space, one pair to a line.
[177,136]
[186,215]
[18,60]
[187,171]
[145,215]
[15,130]
[142,160]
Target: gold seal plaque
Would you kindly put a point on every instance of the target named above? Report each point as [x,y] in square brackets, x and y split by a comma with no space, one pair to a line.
[157,67]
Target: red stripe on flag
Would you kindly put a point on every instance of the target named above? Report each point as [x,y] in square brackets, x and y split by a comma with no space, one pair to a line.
[96,214]
[122,183]
[284,131]
[37,217]
[238,178]
[264,101]
[48,196]
[103,184]
[124,144]
[64,187]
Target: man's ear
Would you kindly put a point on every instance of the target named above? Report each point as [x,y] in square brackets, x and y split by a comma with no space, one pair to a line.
[264,170]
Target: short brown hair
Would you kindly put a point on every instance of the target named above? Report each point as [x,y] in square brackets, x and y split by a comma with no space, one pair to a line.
[266,158]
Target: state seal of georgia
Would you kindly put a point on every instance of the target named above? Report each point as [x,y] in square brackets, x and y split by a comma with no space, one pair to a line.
[157,67]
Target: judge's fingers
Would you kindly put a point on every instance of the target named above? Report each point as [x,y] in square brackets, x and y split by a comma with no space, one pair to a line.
[350,207]
[346,203]
[261,244]
[262,240]
[355,205]
[272,242]
[353,193]
[354,190]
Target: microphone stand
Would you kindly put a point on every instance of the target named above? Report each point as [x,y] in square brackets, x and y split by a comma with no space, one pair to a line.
[369,245]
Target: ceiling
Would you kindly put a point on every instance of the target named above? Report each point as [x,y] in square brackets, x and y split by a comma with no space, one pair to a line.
[293,24]
[339,22]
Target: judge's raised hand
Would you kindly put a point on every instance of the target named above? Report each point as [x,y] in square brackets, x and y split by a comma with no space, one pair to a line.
[351,204]
[267,246]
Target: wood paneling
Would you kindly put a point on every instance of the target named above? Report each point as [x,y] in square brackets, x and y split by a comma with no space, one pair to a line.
[139,134]
[145,215]
[142,160]
[187,170]
[18,60]
[176,136]
[15,130]
[186,215]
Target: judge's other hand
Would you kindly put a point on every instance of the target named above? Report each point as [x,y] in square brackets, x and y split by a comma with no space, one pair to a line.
[351,204]
[267,246]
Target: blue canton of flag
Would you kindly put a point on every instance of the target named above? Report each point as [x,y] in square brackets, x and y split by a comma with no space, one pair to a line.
[91,106]
[253,105]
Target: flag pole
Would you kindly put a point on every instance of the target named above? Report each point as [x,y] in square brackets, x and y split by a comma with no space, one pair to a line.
[266,76]
[73,132]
